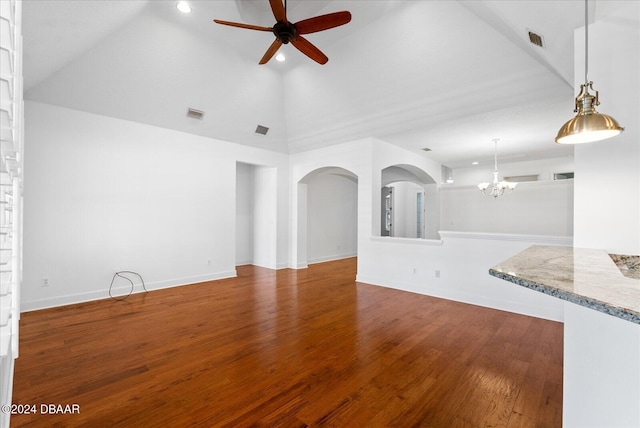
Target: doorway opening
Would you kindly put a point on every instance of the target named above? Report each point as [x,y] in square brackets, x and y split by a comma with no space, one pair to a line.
[408,203]
[327,216]
[256,211]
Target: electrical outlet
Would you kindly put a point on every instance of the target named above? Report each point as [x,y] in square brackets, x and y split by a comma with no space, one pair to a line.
[437,274]
[45,282]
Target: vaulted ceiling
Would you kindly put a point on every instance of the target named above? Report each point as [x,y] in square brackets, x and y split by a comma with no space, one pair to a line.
[447,75]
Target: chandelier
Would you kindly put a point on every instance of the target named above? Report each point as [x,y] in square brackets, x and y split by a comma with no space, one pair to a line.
[497,188]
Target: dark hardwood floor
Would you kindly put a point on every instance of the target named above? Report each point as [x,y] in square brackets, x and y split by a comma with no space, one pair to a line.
[288,348]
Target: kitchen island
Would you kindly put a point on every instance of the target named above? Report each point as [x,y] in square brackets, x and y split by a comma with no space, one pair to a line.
[601,328]
[584,276]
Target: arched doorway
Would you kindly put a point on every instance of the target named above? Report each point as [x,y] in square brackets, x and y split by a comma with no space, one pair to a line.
[409,203]
[327,216]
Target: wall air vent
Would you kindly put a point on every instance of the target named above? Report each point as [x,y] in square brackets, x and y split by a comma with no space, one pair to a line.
[522,178]
[262,130]
[563,175]
[536,39]
[196,114]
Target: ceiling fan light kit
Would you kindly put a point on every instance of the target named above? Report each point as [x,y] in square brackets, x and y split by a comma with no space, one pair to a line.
[183,7]
[286,31]
[588,125]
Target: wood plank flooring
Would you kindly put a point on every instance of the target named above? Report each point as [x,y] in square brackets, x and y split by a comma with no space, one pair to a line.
[288,348]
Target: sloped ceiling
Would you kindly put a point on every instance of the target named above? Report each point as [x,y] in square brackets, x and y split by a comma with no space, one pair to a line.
[448,75]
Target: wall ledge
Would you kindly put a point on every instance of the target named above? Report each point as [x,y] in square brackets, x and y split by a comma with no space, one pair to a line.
[540,183]
[547,239]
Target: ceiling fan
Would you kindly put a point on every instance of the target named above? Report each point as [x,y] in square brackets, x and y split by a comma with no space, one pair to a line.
[286,31]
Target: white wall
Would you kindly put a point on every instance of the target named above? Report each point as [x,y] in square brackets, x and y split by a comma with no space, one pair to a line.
[483,172]
[607,198]
[544,207]
[265,219]
[601,370]
[456,268]
[103,195]
[535,208]
[332,217]
[245,209]
[602,353]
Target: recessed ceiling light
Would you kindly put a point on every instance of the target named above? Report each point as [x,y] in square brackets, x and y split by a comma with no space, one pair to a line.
[475,163]
[280,57]
[183,7]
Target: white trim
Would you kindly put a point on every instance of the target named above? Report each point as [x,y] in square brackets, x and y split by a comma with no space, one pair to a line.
[331,258]
[414,241]
[545,239]
[120,291]
[452,187]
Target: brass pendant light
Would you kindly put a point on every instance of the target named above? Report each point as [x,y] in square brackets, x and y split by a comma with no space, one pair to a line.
[588,125]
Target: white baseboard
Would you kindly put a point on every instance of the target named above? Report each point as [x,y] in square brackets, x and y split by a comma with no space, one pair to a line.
[52,302]
[331,258]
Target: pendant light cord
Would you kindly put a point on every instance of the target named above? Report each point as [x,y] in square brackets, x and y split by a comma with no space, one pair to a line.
[586,41]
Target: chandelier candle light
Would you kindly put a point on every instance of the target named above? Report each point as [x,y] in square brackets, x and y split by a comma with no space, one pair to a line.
[497,188]
[588,125]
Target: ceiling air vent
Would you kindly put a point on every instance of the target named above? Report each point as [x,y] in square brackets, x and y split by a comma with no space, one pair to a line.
[536,39]
[196,114]
[426,149]
[262,130]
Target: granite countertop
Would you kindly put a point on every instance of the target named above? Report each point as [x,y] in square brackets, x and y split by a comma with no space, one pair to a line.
[587,277]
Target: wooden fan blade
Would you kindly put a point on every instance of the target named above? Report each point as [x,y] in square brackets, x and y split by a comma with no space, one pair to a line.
[323,22]
[237,24]
[278,10]
[305,46]
[271,51]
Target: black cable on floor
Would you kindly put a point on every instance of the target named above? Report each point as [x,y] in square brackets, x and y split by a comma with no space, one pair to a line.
[119,274]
